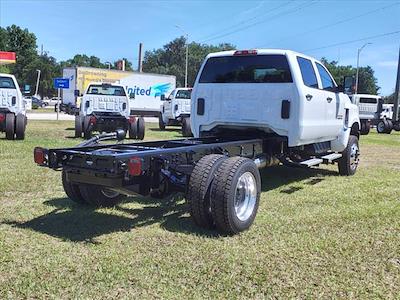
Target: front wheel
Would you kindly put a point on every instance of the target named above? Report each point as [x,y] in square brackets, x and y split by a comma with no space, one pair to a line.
[186,129]
[161,123]
[349,161]
[365,127]
[396,126]
[140,128]
[78,126]
[87,130]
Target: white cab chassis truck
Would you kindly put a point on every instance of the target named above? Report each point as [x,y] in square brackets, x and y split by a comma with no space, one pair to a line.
[250,109]
[12,108]
[105,108]
[370,109]
[175,110]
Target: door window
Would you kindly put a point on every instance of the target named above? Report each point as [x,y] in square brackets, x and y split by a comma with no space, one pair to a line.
[307,72]
[326,79]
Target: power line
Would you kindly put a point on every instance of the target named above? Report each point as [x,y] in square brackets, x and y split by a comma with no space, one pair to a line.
[336,23]
[245,21]
[295,9]
[353,41]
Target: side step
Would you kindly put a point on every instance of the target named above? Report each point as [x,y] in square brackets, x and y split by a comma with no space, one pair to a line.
[326,159]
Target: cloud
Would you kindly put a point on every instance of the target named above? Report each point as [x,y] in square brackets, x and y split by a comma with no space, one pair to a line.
[388,63]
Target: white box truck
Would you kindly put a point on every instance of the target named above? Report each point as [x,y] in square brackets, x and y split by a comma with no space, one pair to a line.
[147,88]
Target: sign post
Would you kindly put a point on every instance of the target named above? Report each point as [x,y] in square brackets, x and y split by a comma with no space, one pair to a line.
[60,83]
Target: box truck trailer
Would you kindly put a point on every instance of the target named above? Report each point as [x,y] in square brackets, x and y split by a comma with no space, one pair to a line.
[147,88]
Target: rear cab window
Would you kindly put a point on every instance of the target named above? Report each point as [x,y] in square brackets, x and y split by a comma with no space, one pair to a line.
[307,72]
[7,83]
[269,68]
[183,94]
[368,100]
[106,90]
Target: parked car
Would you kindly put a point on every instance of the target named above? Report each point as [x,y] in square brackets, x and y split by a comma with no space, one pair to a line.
[52,102]
[36,103]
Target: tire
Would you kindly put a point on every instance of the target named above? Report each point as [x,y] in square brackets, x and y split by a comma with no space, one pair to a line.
[231,217]
[349,161]
[365,128]
[78,127]
[161,123]
[140,128]
[20,125]
[10,126]
[133,130]
[97,196]
[87,128]
[396,126]
[186,129]
[199,191]
[389,126]
[72,190]
[381,126]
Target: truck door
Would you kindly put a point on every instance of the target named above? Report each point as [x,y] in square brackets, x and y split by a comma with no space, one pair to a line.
[334,113]
[313,118]
[168,106]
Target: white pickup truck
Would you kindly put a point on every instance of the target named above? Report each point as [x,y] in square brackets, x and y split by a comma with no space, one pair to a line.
[249,109]
[12,108]
[105,108]
[175,110]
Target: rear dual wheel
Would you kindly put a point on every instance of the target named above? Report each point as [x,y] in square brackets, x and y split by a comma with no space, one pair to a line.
[20,125]
[224,193]
[137,129]
[78,126]
[384,126]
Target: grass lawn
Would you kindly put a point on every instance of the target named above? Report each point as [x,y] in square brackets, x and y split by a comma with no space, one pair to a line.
[316,235]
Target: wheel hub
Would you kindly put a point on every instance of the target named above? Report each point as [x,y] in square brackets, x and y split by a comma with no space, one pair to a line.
[245,196]
[354,156]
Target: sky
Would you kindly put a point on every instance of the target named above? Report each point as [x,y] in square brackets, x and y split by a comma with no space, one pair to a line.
[319,28]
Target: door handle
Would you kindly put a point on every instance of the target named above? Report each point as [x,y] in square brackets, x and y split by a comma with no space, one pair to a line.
[309,97]
[329,99]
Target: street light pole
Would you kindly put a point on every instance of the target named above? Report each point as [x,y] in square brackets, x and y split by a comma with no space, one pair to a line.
[358,64]
[37,82]
[187,55]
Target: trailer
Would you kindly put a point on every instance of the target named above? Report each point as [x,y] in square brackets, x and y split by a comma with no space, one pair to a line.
[249,109]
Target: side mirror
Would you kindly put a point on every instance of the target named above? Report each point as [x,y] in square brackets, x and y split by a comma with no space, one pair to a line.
[87,104]
[123,106]
[132,96]
[76,93]
[162,97]
[349,85]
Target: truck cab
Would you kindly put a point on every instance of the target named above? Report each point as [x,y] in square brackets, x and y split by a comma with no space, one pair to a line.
[12,108]
[272,92]
[370,109]
[175,110]
[105,108]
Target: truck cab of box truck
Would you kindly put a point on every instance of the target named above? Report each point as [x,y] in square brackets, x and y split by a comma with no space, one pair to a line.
[271,92]
[105,108]
[12,108]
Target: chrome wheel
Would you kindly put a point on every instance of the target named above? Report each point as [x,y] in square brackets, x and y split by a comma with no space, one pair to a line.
[245,196]
[109,193]
[354,154]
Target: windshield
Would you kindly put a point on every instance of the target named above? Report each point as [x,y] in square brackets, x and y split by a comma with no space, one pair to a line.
[106,90]
[183,94]
[246,69]
[6,83]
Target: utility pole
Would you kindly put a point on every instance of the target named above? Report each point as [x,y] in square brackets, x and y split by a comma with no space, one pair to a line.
[397,93]
[358,63]
[140,61]
[37,82]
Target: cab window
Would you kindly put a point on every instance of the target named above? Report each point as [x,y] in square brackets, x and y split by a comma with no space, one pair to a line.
[368,100]
[307,72]
[326,79]
[106,90]
[6,83]
[183,94]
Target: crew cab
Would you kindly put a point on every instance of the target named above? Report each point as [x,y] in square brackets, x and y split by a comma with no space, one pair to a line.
[249,109]
[175,110]
[105,108]
[12,108]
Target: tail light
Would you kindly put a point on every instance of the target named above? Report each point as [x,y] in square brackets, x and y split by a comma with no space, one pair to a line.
[132,119]
[135,166]
[245,52]
[2,117]
[93,120]
[39,155]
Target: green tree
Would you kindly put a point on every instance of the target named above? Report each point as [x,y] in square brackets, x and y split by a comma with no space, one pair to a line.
[82,60]
[171,59]
[23,43]
[367,82]
[49,68]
